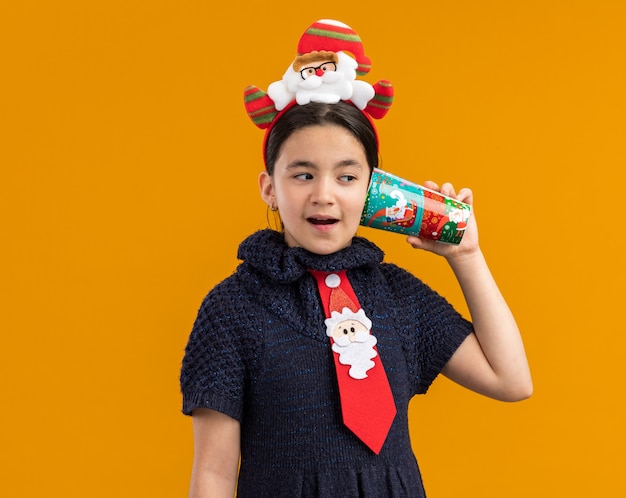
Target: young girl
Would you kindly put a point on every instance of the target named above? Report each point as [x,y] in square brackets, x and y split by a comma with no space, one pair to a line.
[263,373]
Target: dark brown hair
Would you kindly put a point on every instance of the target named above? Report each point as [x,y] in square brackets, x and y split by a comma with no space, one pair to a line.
[342,114]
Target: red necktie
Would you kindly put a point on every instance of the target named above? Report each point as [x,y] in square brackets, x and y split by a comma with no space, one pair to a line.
[367,403]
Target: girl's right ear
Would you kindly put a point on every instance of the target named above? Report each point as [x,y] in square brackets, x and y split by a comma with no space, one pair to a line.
[267,189]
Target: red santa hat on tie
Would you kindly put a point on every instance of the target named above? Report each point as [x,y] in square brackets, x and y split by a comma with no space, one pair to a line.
[338,298]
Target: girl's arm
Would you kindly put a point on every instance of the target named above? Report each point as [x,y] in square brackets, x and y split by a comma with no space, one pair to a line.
[216,455]
[492,360]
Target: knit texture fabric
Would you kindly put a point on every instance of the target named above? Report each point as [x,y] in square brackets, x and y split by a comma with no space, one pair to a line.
[259,353]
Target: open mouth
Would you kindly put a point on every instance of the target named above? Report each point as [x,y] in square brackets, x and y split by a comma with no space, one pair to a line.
[322,221]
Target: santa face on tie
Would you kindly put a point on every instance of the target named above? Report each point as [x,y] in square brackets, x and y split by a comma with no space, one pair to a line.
[352,340]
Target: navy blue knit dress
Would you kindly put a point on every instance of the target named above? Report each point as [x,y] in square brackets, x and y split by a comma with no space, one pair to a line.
[259,353]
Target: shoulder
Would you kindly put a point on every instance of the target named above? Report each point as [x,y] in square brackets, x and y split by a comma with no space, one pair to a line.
[224,306]
[414,299]
[400,280]
[392,288]
[222,293]
[223,327]
[229,290]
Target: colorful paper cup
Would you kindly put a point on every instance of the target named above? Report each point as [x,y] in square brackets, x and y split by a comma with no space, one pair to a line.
[398,205]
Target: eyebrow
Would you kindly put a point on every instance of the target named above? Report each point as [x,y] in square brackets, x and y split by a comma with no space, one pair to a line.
[309,164]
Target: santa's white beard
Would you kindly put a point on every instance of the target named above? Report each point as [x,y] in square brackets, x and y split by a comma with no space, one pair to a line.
[314,81]
[329,88]
[357,354]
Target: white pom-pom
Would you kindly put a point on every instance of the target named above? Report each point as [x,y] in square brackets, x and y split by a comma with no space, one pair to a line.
[332,281]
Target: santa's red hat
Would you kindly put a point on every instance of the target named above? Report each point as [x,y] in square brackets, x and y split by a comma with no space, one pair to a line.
[335,36]
[338,298]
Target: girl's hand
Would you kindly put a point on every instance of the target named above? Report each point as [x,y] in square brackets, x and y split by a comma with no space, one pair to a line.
[469,242]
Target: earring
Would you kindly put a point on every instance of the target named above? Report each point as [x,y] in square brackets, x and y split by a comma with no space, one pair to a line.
[277,222]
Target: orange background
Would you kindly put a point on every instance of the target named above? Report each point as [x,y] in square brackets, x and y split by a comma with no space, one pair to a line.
[129,178]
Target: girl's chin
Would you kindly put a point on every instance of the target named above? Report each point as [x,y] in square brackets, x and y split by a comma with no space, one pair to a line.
[322,247]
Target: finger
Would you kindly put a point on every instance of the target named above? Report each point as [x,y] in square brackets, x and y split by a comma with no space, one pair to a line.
[425,244]
[465,195]
[431,185]
[448,189]
[414,241]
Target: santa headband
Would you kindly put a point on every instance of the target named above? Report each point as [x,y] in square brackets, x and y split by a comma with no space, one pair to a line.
[330,56]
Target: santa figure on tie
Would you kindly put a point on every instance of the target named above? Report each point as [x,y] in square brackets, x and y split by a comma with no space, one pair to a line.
[352,340]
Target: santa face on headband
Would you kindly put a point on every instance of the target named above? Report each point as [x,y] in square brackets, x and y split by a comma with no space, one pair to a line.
[330,57]
[324,77]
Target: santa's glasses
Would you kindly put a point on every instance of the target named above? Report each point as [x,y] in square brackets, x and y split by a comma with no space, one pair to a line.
[319,70]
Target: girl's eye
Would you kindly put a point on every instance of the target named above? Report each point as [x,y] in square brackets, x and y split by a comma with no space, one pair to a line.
[347,178]
[304,176]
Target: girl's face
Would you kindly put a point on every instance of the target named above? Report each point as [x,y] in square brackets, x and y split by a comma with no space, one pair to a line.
[319,185]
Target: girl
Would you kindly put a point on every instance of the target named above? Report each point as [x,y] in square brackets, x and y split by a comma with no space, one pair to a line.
[259,374]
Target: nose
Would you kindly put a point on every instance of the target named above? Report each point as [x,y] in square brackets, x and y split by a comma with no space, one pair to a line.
[319,72]
[322,192]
